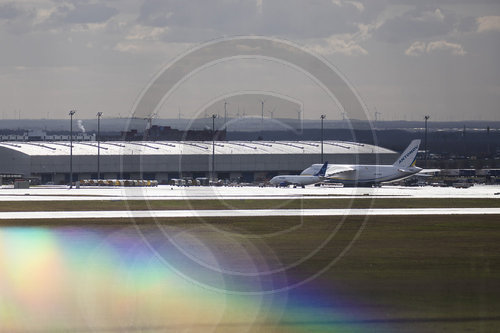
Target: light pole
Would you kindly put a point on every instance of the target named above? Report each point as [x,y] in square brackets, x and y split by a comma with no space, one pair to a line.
[299,118]
[465,142]
[425,139]
[488,139]
[322,118]
[71,113]
[262,115]
[99,114]
[213,146]
[225,114]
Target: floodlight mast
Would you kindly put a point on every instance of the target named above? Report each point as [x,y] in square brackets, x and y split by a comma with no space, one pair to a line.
[322,118]
[425,137]
[71,113]
[225,114]
[213,146]
[262,115]
[99,114]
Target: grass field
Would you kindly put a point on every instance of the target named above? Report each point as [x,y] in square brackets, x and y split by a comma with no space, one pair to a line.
[411,273]
[16,206]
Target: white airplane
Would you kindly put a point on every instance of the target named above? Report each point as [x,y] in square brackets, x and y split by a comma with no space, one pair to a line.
[369,175]
[301,180]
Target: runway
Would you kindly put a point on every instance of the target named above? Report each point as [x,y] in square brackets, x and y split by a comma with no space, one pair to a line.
[163,192]
[244,213]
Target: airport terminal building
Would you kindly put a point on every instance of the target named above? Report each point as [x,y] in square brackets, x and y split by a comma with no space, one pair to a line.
[245,161]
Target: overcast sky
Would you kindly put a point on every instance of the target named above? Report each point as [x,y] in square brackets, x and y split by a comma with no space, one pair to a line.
[405,58]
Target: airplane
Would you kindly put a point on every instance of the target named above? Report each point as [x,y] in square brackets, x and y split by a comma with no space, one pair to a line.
[300,180]
[370,175]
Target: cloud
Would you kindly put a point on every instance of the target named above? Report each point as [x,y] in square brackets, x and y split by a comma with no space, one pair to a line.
[488,23]
[54,16]
[415,49]
[417,24]
[128,47]
[9,11]
[197,13]
[81,13]
[442,45]
[356,4]
[346,44]
[290,18]
[140,32]
[16,19]
[341,44]
[420,48]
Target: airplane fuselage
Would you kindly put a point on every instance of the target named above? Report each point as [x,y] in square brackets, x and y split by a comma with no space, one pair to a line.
[300,180]
[357,175]
[366,174]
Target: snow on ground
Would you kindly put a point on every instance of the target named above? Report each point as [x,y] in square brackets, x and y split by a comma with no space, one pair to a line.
[244,212]
[162,192]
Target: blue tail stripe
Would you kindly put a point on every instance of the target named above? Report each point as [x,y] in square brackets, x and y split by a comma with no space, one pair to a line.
[322,171]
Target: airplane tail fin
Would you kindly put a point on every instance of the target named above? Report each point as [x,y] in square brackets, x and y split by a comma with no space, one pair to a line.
[322,171]
[409,156]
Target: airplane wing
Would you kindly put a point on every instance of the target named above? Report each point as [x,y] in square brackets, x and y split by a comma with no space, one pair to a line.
[427,172]
[335,170]
[430,170]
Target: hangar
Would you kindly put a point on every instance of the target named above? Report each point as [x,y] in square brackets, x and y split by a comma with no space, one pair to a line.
[164,160]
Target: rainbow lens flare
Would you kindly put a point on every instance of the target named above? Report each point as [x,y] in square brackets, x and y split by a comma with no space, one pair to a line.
[107,279]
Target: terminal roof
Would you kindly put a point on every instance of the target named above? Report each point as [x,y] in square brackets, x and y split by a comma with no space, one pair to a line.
[44,148]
